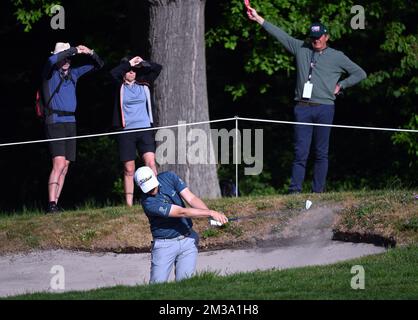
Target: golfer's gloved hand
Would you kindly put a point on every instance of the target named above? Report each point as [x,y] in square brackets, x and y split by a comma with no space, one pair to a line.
[218,216]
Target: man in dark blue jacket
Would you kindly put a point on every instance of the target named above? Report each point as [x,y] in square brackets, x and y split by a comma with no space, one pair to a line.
[59,95]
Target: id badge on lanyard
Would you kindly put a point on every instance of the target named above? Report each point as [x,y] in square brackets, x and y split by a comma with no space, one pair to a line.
[307,90]
[308,86]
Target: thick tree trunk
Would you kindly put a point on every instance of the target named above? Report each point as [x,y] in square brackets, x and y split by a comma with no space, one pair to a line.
[177,42]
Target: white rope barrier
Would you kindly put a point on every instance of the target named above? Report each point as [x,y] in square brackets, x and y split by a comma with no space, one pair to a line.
[328,125]
[115,133]
[208,122]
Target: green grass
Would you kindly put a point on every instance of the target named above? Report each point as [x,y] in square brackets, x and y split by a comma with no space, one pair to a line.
[390,213]
[210,233]
[392,275]
[409,225]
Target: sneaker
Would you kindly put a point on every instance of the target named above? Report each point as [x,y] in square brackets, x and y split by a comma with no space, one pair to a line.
[52,208]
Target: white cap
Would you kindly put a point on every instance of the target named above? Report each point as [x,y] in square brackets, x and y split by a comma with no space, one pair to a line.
[146,179]
[61,46]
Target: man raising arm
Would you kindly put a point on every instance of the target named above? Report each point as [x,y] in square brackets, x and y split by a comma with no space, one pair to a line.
[318,81]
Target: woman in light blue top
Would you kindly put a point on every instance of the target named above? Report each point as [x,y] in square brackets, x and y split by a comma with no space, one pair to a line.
[133,110]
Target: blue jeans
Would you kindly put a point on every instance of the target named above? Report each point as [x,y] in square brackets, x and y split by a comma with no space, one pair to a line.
[303,136]
[182,253]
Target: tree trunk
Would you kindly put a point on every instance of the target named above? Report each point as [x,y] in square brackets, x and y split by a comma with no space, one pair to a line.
[177,42]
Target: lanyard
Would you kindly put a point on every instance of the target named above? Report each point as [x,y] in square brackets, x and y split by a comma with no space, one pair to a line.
[311,65]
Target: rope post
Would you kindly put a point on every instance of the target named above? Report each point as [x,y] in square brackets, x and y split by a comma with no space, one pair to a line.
[236,156]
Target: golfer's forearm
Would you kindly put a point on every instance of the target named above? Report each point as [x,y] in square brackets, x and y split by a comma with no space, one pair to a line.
[197,203]
[191,213]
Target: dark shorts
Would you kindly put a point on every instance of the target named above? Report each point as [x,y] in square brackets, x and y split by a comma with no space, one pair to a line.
[63,148]
[144,141]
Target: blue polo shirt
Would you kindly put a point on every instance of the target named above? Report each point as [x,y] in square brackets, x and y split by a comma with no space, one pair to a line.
[158,207]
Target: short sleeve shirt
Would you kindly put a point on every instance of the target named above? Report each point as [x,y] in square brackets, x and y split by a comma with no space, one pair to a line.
[157,208]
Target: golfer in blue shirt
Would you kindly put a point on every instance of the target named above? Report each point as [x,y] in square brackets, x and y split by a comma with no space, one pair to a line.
[174,240]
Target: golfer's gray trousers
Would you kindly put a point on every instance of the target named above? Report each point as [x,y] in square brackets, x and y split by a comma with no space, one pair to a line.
[179,252]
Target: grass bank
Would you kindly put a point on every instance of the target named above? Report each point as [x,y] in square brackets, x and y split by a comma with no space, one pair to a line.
[391,215]
[123,229]
[120,229]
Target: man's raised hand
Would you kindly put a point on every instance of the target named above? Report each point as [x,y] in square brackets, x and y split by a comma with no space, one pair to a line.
[84,50]
[253,15]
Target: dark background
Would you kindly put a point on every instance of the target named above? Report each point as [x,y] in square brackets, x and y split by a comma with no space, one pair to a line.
[358,159]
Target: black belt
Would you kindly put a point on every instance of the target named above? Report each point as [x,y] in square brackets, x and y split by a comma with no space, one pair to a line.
[181,237]
[60,113]
[308,103]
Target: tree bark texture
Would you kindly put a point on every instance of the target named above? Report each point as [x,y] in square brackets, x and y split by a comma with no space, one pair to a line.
[177,42]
